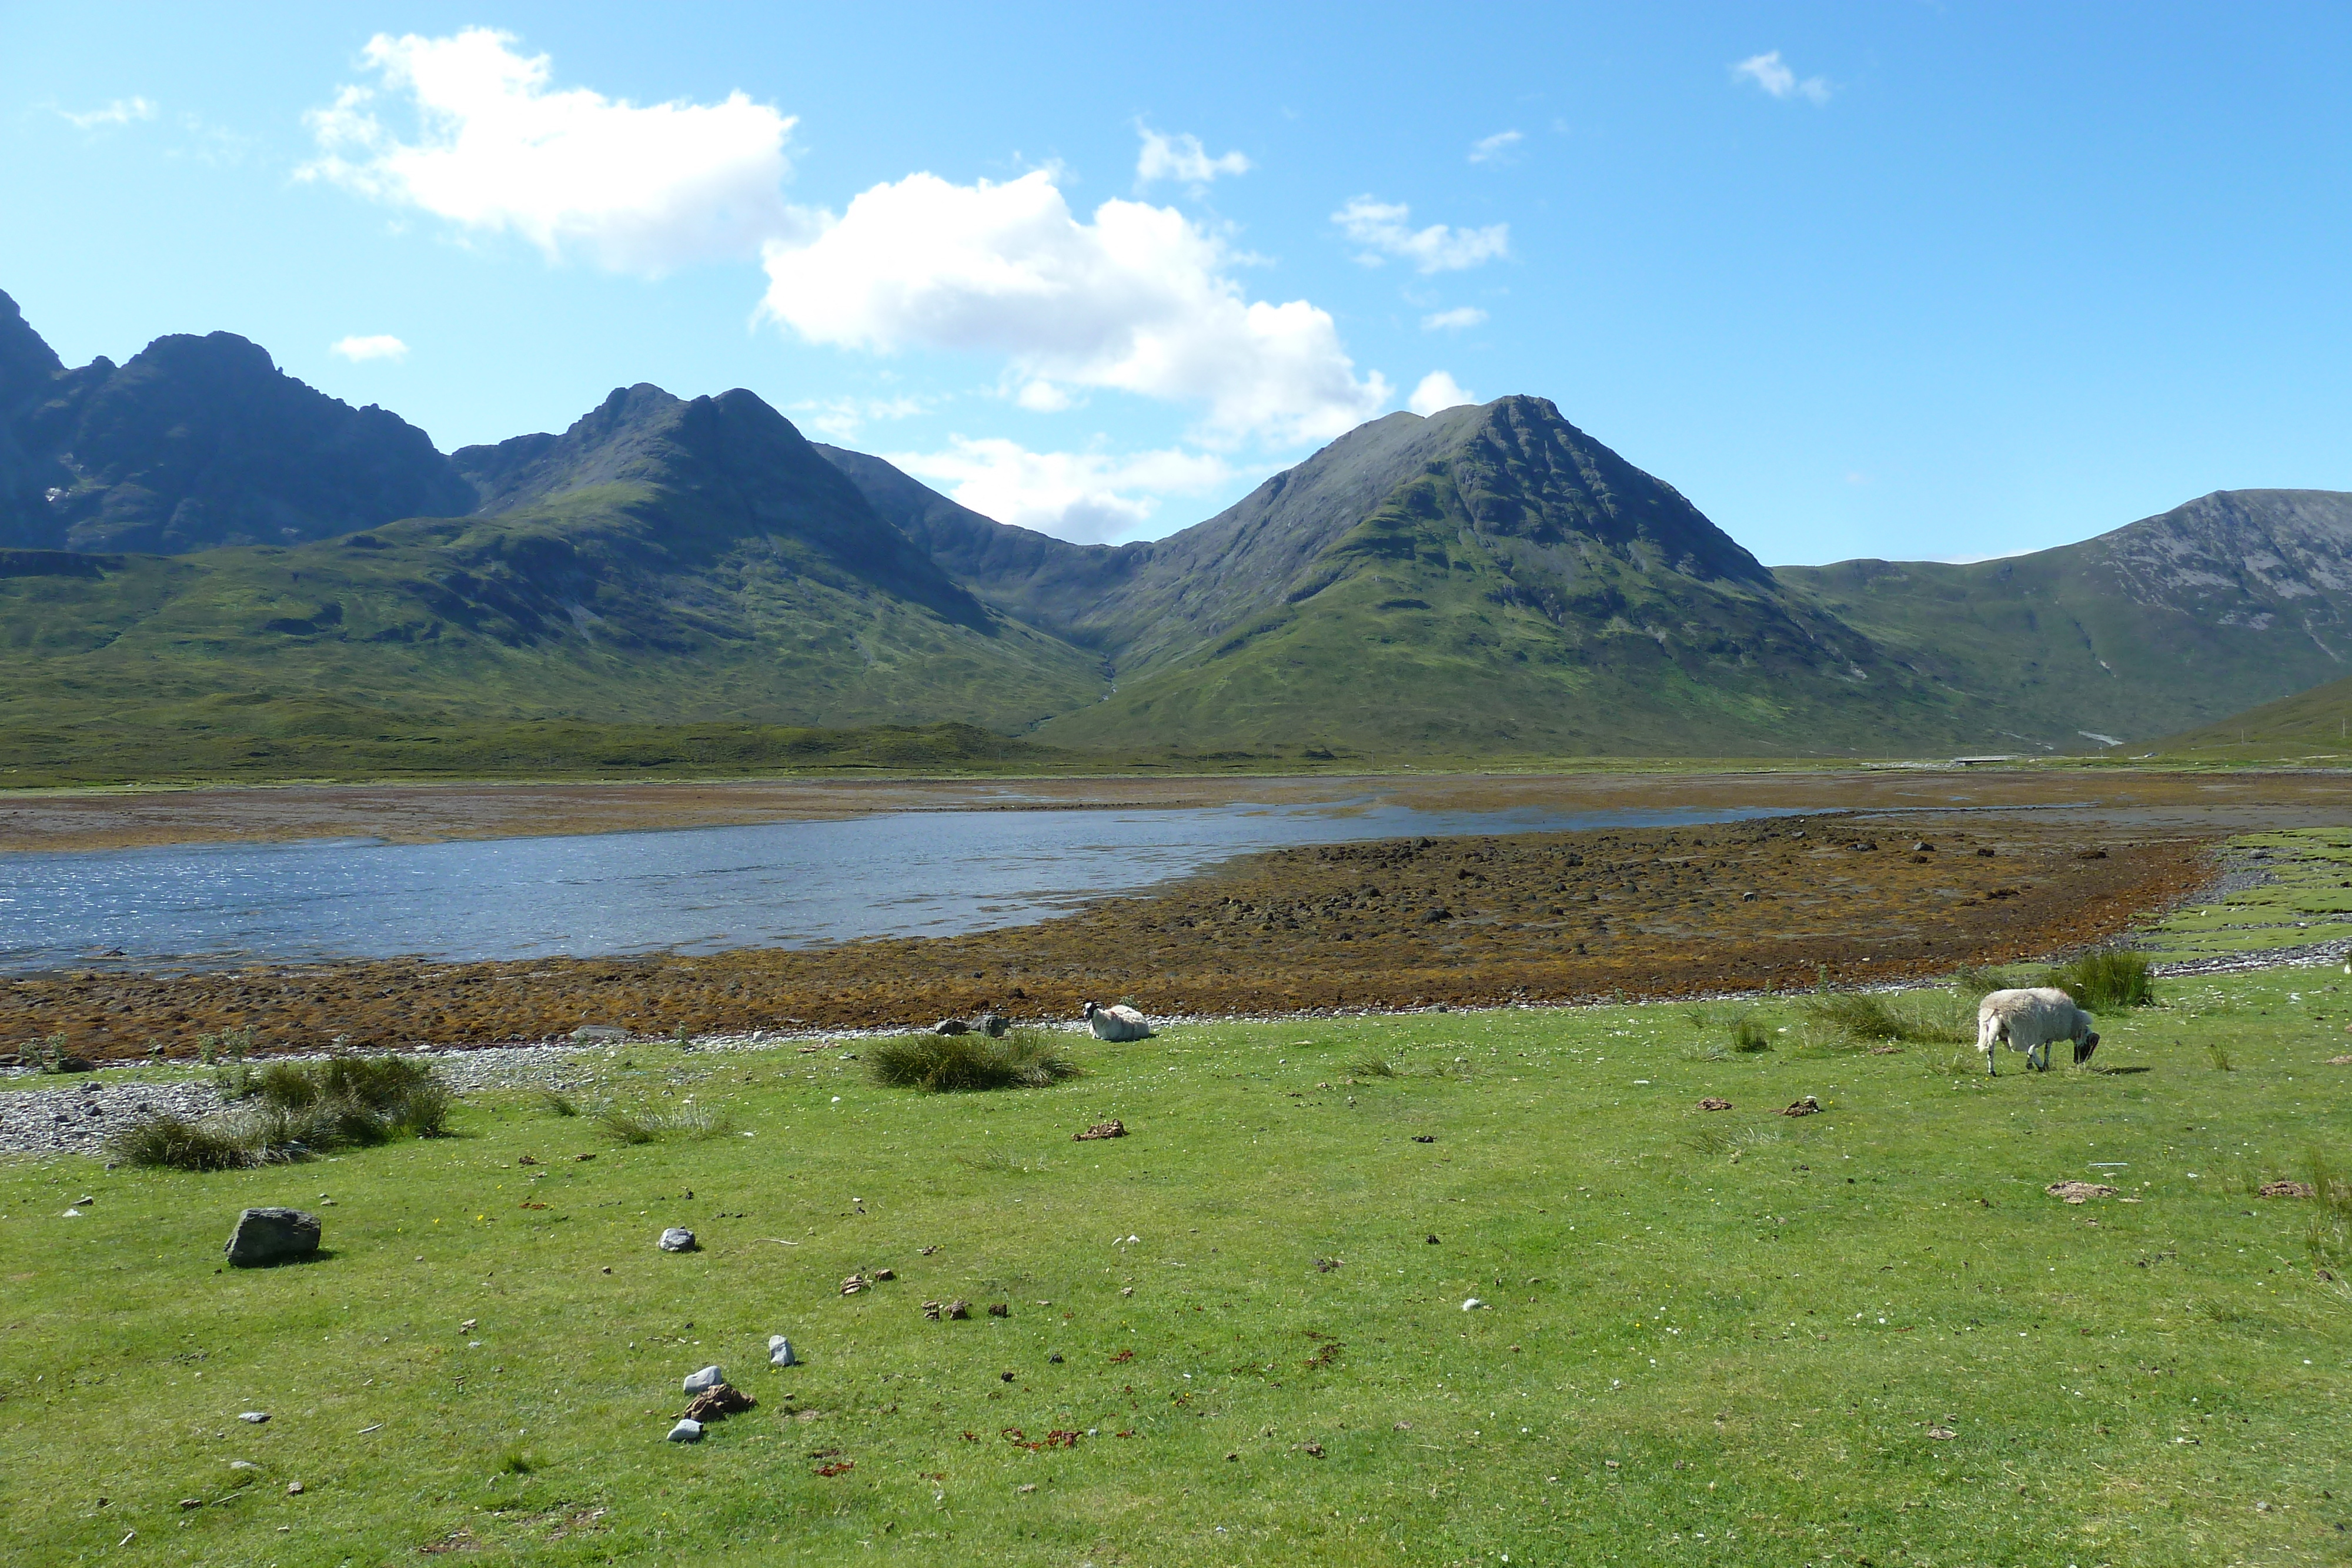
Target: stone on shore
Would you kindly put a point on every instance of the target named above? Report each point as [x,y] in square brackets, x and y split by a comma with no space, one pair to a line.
[272,1235]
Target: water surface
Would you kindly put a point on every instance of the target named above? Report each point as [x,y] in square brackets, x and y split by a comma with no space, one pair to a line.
[695,890]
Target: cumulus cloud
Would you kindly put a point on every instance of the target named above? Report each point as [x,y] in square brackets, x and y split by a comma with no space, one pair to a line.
[1493,149]
[1138,299]
[1383,229]
[380,346]
[1088,497]
[1182,158]
[1769,72]
[1437,389]
[498,150]
[1453,320]
[843,417]
[121,111]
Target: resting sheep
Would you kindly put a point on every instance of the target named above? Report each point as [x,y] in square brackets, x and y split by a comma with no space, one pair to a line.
[2031,1020]
[1117,1022]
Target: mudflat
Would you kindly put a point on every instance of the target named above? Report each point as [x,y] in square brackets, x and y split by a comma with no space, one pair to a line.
[1550,916]
[424,813]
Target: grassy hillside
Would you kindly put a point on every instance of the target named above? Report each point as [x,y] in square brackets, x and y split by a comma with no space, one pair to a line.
[1720,1337]
[1490,604]
[589,607]
[2315,725]
[2172,622]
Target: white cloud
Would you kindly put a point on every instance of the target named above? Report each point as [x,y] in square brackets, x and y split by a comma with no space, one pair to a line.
[840,418]
[1381,227]
[1088,497]
[1770,73]
[1453,320]
[1437,389]
[1043,397]
[638,188]
[1139,300]
[1493,149]
[381,346]
[1182,158]
[121,111]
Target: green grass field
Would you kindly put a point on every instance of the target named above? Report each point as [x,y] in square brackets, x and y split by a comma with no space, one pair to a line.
[2304,897]
[1864,1336]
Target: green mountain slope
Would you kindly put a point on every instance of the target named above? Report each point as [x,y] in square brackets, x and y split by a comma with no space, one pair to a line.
[2313,724]
[673,562]
[1516,587]
[2235,599]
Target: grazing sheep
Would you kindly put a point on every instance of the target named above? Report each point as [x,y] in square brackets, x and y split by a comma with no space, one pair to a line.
[1118,1023]
[2031,1020]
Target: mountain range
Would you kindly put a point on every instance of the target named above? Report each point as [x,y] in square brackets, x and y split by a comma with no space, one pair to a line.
[194,539]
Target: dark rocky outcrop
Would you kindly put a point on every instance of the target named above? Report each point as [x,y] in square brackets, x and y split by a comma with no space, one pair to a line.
[194,443]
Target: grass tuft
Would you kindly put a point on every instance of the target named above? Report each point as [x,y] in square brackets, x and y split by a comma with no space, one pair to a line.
[1865,1017]
[2329,1238]
[2108,977]
[558,1103]
[291,1110]
[963,1063]
[2218,1055]
[651,1124]
[1373,1067]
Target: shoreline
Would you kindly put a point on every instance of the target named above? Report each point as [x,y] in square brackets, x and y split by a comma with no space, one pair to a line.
[436,813]
[1557,916]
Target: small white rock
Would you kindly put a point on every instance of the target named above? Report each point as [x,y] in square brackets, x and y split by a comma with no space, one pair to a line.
[1473,1305]
[256,1417]
[687,1432]
[676,1239]
[708,1377]
[780,1352]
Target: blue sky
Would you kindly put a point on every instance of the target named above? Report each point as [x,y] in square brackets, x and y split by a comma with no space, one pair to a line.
[1893,279]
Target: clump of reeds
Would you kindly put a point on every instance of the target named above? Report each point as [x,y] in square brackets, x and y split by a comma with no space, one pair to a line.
[2328,1237]
[1863,1016]
[291,1110]
[648,1123]
[961,1063]
[2107,977]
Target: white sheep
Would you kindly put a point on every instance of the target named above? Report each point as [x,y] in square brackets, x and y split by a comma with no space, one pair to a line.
[2031,1020]
[1117,1022]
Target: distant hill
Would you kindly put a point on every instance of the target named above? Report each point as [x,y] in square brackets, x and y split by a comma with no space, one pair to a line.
[663,561]
[2314,723]
[196,442]
[2199,612]
[193,543]
[1489,579]
[2232,599]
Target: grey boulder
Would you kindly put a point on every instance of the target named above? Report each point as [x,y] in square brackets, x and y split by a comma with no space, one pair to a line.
[272,1235]
[678,1239]
[995,1025]
[780,1352]
[687,1432]
[708,1378]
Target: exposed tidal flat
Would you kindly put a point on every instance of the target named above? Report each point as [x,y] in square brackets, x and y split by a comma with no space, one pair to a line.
[2020,866]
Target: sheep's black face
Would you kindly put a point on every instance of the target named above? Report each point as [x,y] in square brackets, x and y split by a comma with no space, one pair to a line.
[2089,1043]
